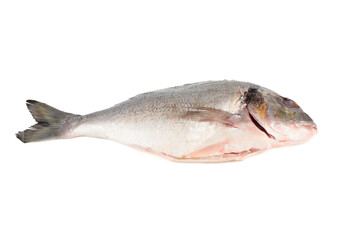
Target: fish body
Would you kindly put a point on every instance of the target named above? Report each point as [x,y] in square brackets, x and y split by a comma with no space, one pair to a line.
[213,121]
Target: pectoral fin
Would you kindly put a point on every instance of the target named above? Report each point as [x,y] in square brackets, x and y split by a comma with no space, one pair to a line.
[203,114]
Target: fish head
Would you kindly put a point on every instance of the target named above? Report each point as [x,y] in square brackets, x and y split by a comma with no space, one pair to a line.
[279,117]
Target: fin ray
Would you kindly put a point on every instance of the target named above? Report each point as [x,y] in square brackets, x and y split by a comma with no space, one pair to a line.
[203,114]
[51,122]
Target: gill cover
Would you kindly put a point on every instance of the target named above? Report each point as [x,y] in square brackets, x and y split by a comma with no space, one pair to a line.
[257,109]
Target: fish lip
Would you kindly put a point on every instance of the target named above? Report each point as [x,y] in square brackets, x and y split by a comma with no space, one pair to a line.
[260,127]
[310,126]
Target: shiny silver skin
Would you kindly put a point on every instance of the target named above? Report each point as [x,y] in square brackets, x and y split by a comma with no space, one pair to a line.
[213,121]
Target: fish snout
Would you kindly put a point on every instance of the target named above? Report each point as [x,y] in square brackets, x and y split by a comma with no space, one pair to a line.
[308,126]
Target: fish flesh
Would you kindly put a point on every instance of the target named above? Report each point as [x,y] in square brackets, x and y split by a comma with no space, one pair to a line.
[212,121]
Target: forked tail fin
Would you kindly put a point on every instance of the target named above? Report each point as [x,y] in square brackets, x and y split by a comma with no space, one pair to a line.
[51,123]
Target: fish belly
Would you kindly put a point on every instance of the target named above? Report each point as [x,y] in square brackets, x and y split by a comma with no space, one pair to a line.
[179,139]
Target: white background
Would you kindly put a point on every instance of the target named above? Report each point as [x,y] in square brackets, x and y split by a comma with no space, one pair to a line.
[84,56]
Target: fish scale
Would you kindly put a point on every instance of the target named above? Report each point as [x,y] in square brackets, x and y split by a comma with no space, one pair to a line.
[213,121]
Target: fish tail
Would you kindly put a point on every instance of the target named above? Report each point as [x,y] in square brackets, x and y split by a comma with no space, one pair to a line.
[51,123]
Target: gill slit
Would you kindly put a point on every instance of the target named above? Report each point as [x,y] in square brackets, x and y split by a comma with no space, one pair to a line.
[260,127]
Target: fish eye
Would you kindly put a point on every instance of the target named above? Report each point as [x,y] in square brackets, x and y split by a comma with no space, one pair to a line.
[289,103]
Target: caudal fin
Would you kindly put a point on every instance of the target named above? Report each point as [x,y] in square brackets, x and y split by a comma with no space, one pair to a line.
[51,123]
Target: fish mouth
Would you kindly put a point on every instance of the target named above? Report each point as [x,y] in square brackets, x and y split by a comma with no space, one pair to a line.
[260,127]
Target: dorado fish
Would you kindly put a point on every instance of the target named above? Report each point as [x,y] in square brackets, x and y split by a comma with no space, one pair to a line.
[213,121]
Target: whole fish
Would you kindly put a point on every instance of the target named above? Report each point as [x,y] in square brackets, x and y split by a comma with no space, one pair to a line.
[213,121]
